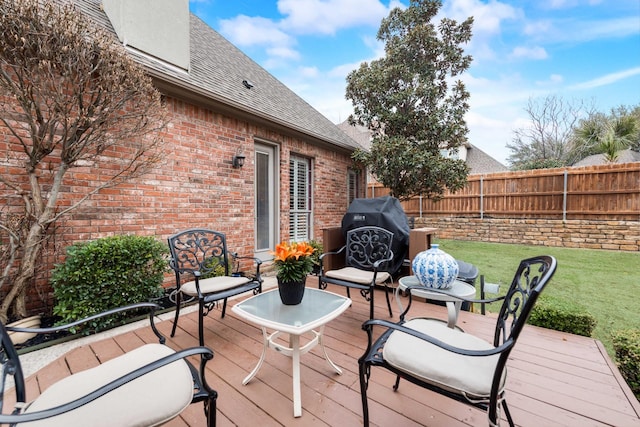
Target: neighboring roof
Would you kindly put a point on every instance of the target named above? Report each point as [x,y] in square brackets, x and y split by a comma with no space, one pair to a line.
[477,160]
[480,162]
[217,71]
[624,156]
[358,133]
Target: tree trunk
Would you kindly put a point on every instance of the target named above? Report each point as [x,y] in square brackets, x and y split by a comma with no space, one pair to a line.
[26,273]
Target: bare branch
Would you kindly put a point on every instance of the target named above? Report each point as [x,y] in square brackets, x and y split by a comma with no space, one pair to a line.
[70,96]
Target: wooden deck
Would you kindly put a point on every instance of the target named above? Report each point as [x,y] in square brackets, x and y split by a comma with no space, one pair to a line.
[555,379]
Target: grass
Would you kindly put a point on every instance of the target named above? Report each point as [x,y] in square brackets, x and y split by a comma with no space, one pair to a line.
[605,283]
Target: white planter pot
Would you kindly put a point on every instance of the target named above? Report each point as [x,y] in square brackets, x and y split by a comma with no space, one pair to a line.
[27,322]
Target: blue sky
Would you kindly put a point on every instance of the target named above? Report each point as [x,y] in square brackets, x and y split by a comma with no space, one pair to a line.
[579,50]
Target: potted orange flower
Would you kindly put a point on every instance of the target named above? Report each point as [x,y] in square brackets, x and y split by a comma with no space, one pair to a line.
[293,262]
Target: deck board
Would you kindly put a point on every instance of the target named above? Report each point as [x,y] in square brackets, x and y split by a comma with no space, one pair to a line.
[555,379]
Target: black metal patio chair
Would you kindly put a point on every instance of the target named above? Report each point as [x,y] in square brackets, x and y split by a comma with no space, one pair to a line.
[449,361]
[147,386]
[367,252]
[202,264]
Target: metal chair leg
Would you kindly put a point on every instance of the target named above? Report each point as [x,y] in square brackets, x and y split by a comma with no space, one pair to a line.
[210,410]
[201,322]
[371,305]
[177,315]
[224,308]
[386,294]
[507,413]
[363,395]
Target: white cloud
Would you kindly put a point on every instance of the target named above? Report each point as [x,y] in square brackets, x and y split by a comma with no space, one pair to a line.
[319,17]
[341,71]
[552,82]
[565,4]
[495,93]
[254,31]
[283,52]
[559,4]
[488,20]
[606,79]
[329,16]
[309,72]
[554,79]
[325,92]
[535,28]
[536,52]
[574,31]
[620,27]
[487,17]
[492,134]
[497,110]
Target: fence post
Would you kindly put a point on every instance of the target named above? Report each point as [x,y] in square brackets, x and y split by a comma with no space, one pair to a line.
[482,197]
[564,198]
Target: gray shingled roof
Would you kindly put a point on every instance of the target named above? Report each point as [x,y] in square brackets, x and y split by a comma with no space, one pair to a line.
[217,71]
[480,162]
[358,133]
[624,156]
[477,160]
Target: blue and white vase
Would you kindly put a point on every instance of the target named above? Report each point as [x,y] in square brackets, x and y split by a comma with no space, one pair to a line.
[435,268]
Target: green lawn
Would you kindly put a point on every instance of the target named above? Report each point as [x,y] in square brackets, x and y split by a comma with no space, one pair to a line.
[606,283]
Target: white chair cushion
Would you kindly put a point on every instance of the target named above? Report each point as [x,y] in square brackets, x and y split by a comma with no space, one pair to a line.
[351,274]
[468,375]
[150,400]
[213,284]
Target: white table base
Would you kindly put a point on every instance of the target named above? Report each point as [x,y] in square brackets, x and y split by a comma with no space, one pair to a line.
[294,351]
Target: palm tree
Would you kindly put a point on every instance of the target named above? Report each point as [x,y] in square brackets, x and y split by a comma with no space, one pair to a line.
[600,134]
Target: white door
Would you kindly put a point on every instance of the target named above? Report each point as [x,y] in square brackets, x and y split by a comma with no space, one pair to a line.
[266,204]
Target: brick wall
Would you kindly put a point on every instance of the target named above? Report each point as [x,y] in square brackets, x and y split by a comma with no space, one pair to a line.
[195,186]
[609,235]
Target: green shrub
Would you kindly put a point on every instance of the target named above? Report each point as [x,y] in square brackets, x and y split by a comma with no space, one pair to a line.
[626,344]
[214,268]
[108,273]
[562,315]
[315,257]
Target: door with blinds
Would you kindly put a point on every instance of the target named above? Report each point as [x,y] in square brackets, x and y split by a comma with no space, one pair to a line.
[300,199]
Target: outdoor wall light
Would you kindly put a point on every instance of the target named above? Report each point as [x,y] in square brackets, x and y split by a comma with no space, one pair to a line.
[247,84]
[238,161]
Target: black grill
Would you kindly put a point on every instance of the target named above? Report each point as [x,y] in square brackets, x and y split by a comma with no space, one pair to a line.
[385,212]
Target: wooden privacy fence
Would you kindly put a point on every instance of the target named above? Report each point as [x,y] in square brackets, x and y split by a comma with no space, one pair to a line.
[603,192]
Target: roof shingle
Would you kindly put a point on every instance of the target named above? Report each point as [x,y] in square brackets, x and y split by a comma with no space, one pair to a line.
[217,71]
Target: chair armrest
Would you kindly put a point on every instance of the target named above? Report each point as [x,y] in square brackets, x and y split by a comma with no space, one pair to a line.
[377,264]
[206,355]
[322,255]
[391,326]
[235,255]
[434,290]
[258,262]
[149,305]
[461,298]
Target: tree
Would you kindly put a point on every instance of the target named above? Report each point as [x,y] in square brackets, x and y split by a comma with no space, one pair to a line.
[70,97]
[607,134]
[635,112]
[547,141]
[406,101]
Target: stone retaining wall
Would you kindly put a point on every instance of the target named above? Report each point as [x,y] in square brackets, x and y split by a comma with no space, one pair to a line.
[609,235]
